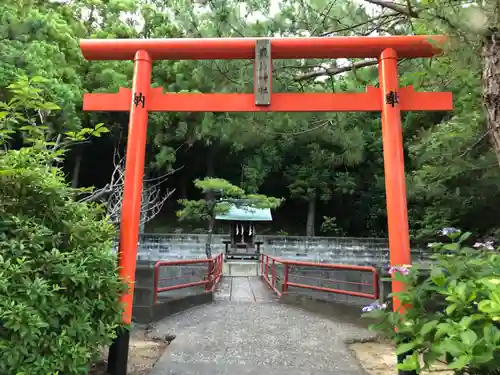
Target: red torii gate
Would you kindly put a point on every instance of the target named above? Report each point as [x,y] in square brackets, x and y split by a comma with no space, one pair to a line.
[388,99]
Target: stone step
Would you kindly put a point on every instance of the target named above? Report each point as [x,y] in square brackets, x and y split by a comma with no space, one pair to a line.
[240,269]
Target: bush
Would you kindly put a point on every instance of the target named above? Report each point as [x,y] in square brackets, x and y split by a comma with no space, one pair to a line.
[454,311]
[59,287]
[58,282]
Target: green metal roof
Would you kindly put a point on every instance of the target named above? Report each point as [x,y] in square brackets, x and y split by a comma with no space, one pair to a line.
[245,213]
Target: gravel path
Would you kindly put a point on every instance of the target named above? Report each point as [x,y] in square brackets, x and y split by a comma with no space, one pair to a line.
[246,331]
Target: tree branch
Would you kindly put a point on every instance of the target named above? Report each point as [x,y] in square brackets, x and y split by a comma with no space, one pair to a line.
[368,22]
[98,195]
[336,70]
[112,193]
[394,6]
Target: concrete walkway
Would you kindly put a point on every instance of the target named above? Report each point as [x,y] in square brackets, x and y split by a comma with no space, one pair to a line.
[247,332]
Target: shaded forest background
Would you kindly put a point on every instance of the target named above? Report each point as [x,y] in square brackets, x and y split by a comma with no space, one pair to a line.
[328,167]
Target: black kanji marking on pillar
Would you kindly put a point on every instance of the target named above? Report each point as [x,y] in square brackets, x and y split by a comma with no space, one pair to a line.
[263,90]
[392,98]
[139,98]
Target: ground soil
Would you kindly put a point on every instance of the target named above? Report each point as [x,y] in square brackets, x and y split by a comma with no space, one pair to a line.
[379,358]
[144,352]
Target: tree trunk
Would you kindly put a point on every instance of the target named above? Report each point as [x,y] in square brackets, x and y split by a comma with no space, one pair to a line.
[208,244]
[311,215]
[76,169]
[212,152]
[491,88]
[183,189]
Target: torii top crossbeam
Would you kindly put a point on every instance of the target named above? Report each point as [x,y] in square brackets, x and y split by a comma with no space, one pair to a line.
[244,48]
[278,48]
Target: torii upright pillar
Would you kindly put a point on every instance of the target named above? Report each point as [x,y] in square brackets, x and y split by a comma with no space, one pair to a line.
[394,170]
[388,99]
[131,204]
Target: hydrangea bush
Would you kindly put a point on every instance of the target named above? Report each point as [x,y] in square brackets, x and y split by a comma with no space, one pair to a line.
[453,311]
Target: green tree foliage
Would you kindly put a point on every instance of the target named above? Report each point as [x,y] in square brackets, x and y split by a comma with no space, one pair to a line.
[317,165]
[39,37]
[54,252]
[29,116]
[330,227]
[220,196]
[455,309]
[451,158]
[452,164]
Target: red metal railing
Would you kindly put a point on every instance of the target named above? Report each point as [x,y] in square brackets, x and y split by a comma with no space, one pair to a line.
[277,272]
[209,279]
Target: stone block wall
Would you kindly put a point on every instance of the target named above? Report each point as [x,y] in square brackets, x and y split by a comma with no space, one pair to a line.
[340,279]
[181,274]
[176,246]
[343,250]
[146,310]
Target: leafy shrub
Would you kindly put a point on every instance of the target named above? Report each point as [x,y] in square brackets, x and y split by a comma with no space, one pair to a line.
[454,311]
[330,226]
[59,289]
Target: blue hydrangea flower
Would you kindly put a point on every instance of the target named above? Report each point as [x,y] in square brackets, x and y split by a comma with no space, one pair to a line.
[374,306]
[486,245]
[449,231]
[401,269]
